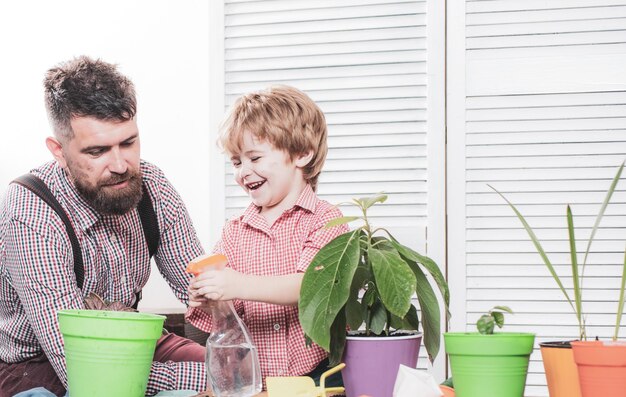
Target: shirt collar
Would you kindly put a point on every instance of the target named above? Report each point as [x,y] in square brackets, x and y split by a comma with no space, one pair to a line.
[307,201]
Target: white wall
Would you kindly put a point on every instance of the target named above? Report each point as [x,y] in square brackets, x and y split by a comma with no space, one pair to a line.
[161,45]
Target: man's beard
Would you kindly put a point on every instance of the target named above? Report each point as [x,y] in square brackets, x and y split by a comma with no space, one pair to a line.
[106,200]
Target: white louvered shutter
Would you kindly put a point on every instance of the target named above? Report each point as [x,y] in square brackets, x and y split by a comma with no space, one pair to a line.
[545,124]
[365,64]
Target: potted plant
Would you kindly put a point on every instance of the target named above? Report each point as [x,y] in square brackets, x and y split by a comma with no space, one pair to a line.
[364,280]
[562,373]
[487,363]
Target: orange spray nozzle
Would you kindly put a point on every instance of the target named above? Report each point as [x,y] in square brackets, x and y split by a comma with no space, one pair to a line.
[206,262]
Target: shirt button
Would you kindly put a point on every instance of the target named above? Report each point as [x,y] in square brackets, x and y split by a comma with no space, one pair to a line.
[123,279]
[280,372]
[113,238]
[276,327]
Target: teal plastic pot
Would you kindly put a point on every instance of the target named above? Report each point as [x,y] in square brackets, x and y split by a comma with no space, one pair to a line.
[108,353]
[489,365]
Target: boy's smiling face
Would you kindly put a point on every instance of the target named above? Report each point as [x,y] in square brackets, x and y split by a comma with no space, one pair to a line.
[272,180]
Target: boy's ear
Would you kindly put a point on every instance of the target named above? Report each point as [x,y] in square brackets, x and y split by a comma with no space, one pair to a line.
[55,147]
[303,159]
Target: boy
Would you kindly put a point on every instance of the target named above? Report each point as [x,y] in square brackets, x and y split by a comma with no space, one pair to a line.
[276,140]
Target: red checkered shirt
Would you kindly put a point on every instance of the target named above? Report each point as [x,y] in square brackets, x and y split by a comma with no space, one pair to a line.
[37,267]
[287,247]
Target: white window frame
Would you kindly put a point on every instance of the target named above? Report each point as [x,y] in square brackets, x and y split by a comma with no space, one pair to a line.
[215,201]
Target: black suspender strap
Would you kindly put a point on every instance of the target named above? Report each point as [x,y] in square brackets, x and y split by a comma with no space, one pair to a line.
[146,215]
[38,187]
[150,227]
[149,222]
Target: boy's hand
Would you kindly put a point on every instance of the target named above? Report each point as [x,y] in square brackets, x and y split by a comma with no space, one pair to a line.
[225,284]
[197,300]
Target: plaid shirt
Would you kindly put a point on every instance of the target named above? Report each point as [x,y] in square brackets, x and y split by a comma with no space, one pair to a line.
[37,267]
[287,247]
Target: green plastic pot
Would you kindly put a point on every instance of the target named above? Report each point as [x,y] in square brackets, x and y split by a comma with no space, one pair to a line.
[489,365]
[108,353]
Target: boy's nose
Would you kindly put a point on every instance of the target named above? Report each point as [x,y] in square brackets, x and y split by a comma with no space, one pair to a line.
[245,170]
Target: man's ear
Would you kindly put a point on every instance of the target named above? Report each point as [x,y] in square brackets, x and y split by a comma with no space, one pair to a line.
[55,147]
[303,159]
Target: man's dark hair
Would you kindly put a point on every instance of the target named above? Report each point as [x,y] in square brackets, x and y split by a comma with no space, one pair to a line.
[83,87]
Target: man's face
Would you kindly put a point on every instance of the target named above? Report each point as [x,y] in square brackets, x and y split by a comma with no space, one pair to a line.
[102,160]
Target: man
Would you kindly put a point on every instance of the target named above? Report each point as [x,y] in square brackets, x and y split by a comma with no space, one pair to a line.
[98,179]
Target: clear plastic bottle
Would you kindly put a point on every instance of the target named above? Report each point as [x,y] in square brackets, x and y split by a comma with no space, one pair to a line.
[232,360]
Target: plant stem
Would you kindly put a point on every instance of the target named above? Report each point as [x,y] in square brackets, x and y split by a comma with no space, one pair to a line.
[387,324]
[368,233]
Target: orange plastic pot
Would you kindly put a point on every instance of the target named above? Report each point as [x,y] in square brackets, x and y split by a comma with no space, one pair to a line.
[561,370]
[447,391]
[601,368]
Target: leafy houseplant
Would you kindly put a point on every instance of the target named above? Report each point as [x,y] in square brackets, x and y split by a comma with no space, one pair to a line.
[558,357]
[486,361]
[577,270]
[365,276]
[487,322]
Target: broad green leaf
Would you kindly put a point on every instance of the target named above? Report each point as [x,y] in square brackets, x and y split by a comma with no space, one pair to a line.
[382,243]
[337,339]
[394,280]
[378,318]
[430,266]
[485,324]
[503,309]
[341,221]
[410,322]
[361,275]
[431,321]
[539,248]
[366,202]
[326,286]
[498,317]
[575,279]
[367,302]
[620,305]
[354,313]
[609,193]
[363,243]
[369,297]
[396,322]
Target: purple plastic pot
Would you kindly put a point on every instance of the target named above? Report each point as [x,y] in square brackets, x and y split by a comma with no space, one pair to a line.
[372,363]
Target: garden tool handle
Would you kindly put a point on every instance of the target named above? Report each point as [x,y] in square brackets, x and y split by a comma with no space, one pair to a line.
[333,390]
[331,371]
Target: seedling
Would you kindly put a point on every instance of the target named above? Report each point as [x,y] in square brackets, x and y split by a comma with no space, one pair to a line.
[487,322]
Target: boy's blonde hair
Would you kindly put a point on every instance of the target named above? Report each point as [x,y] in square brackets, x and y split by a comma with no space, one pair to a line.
[285,117]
